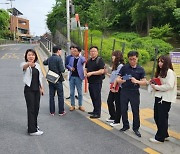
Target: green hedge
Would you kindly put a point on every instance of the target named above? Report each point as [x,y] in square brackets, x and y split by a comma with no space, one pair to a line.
[144,45]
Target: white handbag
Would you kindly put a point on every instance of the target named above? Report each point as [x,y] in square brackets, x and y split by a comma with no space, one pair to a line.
[52,76]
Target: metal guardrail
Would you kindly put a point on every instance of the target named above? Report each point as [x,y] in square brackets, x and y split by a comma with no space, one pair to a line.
[44,48]
[3,42]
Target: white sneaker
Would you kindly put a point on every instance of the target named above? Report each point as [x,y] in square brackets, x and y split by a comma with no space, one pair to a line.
[154,140]
[114,124]
[109,120]
[38,133]
[62,114]
[167,139]
[38,128]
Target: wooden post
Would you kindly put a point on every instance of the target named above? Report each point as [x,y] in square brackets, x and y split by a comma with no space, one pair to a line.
[154,65]
[123,48]
[114,42]
[101,46]
[86,54]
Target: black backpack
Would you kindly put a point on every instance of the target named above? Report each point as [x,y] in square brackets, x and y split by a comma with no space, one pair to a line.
[97,63]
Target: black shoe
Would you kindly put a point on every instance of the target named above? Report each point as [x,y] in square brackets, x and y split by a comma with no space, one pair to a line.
[137,133]
[94,116]
[90,112]
[76,96]
[68,97]
[124,129]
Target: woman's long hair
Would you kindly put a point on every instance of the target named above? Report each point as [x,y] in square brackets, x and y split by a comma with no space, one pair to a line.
[162,72]
[118,59]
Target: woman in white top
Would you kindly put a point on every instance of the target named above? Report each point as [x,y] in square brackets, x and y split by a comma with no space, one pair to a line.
[32,79]
[165,94]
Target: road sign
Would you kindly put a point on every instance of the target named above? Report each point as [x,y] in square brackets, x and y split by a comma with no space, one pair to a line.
[175,59]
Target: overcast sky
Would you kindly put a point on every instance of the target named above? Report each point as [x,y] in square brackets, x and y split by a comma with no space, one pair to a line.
[33,10]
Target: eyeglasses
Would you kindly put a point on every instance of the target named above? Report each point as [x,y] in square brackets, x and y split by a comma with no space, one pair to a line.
[93,51]
[132,59]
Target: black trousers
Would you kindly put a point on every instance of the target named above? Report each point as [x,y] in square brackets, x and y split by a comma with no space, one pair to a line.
[32,101]
[161,109]
[114,109]
[95,94]
[133,97]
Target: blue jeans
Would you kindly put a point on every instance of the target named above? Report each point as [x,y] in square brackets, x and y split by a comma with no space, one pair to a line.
[52,89]
[75,82]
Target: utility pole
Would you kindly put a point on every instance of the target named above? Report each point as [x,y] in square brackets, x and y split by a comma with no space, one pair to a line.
[68,26]
[12,20]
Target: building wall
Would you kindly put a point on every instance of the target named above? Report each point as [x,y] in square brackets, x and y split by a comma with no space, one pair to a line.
[19,23]
[20,26]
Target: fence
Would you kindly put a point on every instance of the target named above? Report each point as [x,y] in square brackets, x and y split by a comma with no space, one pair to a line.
[8,42]
[77,38]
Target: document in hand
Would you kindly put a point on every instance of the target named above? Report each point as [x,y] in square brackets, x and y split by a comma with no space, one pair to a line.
[52,76]
[156,81]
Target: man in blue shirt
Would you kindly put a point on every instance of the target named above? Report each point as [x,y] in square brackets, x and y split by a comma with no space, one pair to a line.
[76,77]
[131,77]
[67,62]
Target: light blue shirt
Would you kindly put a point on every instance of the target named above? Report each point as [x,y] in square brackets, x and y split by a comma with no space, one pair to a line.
[115,74]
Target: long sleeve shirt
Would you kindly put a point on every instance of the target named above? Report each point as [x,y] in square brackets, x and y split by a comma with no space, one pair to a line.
[115,73]
[55,64]
[27,76]
[168,88]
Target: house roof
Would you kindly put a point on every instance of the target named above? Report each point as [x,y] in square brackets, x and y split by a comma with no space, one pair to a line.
[15,12]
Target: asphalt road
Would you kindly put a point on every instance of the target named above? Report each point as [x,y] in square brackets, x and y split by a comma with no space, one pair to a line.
[72,133]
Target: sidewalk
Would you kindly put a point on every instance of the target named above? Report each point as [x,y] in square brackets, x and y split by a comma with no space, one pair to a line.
[172,146]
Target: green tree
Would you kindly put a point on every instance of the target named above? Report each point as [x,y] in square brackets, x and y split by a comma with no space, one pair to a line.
[57,16]
[81,8]
[4,23]
[176,14]
[145,11]
[100,15]
[4,19]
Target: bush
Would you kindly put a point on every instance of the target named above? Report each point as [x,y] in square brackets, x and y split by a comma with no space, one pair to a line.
[164,32]
[95,33]
[137,43]
[6,34]
[148,68]
[126,36]
[144,45]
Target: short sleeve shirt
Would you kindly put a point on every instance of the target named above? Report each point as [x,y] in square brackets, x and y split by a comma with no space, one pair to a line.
[137,72]
[91,66]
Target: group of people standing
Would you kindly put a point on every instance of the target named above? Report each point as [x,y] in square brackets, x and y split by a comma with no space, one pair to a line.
[125,81]
[129,78]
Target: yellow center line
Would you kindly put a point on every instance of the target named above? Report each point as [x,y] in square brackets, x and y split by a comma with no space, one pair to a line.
[151,151]
[41,64]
